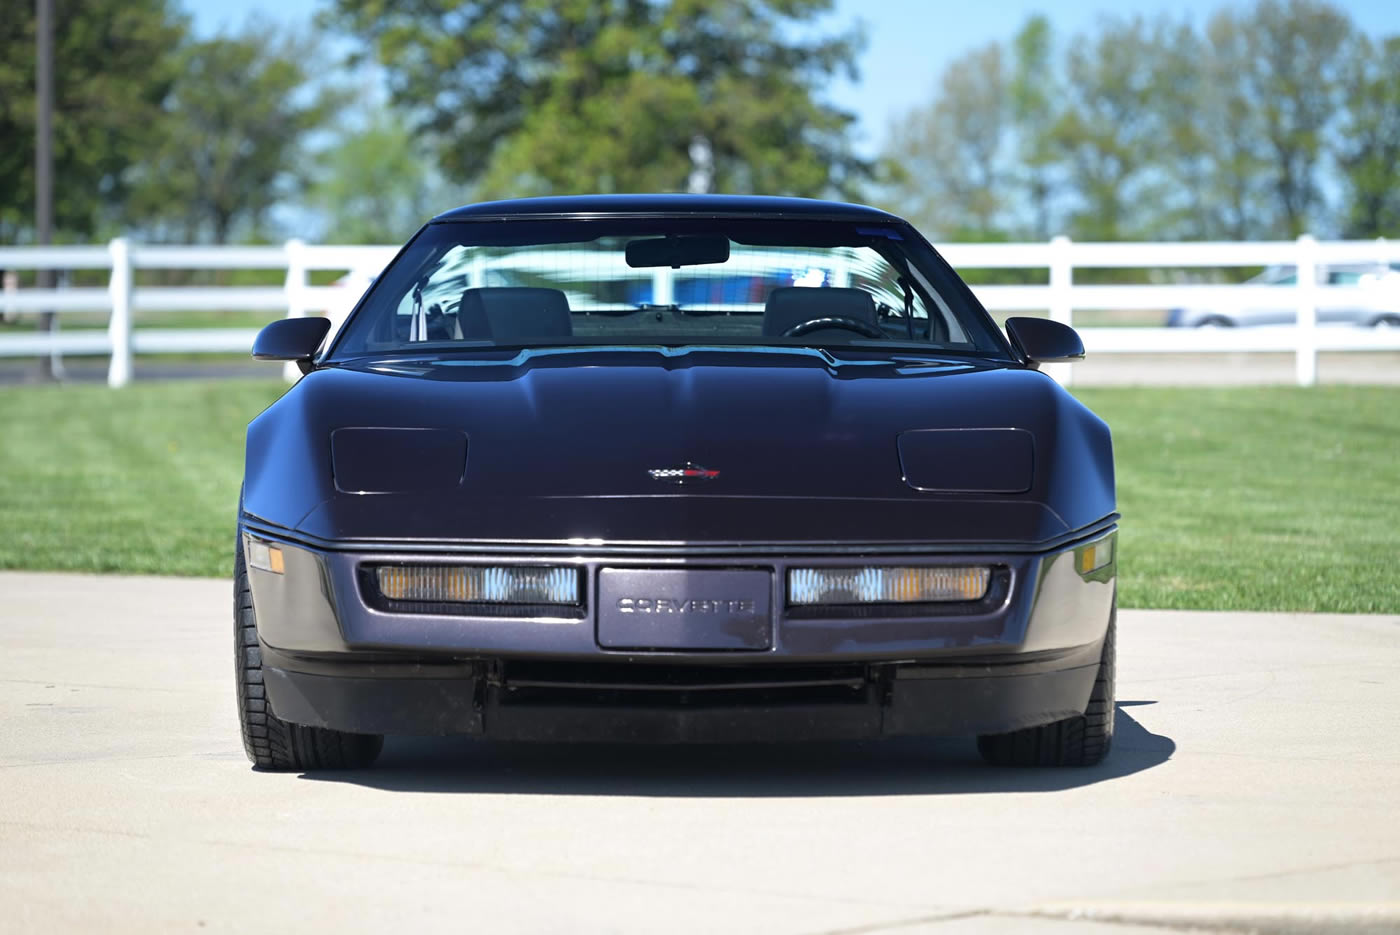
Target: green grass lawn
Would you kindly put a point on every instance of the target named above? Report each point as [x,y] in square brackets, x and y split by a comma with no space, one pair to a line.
[1257,498]
[1264,498]
[139,480]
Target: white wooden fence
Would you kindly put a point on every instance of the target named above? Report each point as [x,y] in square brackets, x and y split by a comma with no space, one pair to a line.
[1060,297]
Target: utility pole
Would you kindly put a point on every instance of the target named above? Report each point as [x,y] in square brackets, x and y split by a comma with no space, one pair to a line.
[43,166]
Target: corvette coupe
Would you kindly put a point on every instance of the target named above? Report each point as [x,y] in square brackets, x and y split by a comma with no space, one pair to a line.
[674,469]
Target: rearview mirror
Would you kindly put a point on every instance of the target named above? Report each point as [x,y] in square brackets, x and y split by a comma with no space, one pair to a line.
[291,339]
[1043,341]
[676,252]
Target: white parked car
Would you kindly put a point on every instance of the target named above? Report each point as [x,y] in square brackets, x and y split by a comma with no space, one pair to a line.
[1380,305]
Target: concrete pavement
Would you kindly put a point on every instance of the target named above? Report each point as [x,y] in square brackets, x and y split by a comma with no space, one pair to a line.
[1254,786]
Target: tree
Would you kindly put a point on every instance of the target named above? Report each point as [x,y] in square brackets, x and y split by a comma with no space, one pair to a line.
[1236,186]
[1287,57]
[1185,109]
[1108,131]
[541,96]
[1034,92]
[375,183]
[232,130]
[1369,147]
[953,152]
[114,66]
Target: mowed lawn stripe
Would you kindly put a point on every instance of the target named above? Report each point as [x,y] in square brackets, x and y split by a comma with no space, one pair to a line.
[141,480]
[1266,498]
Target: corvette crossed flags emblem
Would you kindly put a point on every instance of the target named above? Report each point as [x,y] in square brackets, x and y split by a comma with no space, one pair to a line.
[683,475]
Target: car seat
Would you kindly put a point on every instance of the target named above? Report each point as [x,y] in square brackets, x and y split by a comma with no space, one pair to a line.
[512,314]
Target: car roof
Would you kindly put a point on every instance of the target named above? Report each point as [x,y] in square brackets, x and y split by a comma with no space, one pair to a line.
[664,205]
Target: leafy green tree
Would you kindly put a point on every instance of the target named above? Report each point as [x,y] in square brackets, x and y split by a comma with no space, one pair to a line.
[544,96]
[1034,92]
[375,183]
[232,136]
[1369,150]
[1158,129]
[1182,106]
[1287,57]
[1109,132]
[1236,186]
[953,153]
[113,67]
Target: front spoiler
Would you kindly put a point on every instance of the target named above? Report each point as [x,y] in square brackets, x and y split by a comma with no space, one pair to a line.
[923,700]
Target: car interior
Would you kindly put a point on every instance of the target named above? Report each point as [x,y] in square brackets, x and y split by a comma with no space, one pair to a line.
[849,287]
[510,315]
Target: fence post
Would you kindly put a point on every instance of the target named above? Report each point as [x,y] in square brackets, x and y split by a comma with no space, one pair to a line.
[119,324]
[1306,364]
[1388,303]
[9,286]
[1061,297]
[296,295]
[663,285]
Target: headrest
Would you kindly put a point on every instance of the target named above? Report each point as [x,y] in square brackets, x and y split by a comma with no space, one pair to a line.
[792,305]
[509,315]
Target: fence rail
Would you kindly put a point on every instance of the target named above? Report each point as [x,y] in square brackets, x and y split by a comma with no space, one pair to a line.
[1060,297]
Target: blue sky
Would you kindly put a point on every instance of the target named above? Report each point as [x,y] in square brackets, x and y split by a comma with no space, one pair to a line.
[909,42]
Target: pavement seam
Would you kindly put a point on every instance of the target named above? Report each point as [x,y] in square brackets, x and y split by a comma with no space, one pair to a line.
[895,924]
[1147,921]
[1248,919]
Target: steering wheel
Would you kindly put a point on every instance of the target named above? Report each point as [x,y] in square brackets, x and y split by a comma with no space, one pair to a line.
[849,324]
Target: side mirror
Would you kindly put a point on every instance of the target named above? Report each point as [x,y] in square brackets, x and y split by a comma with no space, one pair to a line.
[1042,341]
[291,339]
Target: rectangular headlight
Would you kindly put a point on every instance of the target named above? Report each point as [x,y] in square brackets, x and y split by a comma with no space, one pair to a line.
[457,584]
[884,585]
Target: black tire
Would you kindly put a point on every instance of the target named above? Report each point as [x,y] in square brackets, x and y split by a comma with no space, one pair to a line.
[1215,321]
[1083,740]
[270,742]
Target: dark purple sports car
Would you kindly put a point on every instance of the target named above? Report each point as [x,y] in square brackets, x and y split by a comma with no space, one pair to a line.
[674,469]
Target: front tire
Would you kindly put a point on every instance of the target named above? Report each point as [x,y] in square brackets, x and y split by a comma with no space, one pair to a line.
[1082,740]
[270,742]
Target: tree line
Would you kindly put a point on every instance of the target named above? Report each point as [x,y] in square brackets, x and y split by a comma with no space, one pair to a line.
[1263,122]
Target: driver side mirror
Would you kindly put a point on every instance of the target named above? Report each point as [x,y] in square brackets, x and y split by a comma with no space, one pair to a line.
[1042,341]
[291,339]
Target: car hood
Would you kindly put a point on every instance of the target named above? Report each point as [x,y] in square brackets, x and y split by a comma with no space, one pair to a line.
[579,445]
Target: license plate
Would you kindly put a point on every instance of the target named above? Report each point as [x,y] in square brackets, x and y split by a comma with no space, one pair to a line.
[684,608]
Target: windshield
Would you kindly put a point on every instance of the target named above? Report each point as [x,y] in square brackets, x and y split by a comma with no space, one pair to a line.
[463,286]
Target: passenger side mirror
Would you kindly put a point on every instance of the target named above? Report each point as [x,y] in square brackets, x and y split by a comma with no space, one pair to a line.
[291,339]
[1043,341]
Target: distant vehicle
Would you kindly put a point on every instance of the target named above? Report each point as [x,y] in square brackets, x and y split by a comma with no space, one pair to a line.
[674,468]
[1382,310]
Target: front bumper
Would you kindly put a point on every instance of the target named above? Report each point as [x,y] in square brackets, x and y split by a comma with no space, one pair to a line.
[1027,655]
